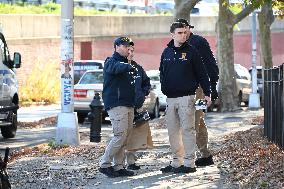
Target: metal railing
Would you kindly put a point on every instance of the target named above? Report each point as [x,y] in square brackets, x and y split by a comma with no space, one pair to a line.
[274,105]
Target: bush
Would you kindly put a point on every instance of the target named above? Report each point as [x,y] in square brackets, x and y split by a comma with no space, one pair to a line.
[42,85]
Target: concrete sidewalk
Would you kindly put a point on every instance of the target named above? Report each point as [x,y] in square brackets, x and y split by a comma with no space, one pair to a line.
[80,170]
[36,113]
[150,176]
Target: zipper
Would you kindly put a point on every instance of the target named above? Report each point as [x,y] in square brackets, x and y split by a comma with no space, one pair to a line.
[118,94]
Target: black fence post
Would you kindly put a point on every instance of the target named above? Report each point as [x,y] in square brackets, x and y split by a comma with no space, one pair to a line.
[265,100]
[274,105]
[280,132]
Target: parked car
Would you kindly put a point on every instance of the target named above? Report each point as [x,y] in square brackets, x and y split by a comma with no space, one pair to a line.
[206,8]
[81,66]
[164,6]
[259,80]
[120,6]
[82,3]
[243,80]
[101,5]
[84,91]
[92,82]
[154,76]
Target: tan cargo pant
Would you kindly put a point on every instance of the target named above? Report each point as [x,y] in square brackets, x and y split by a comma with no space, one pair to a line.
[122,123]
[201,128]
[180,119]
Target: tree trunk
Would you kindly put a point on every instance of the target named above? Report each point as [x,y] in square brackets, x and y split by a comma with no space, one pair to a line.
[183,8]
[265,19]
[227,80]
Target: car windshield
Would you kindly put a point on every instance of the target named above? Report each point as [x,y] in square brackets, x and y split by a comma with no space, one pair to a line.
[92,78]
[241,72]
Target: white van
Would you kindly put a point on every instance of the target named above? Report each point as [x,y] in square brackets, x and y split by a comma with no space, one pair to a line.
[9,98]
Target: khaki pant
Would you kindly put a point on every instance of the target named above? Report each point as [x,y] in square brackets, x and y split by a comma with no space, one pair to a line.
[140,138]
[180,119]
[201,129]
[122,123]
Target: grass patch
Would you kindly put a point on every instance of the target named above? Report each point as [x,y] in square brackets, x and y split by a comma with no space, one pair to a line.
[52,8]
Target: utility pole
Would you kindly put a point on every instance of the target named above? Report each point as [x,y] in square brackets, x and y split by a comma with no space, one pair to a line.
[254,101]
[67,131]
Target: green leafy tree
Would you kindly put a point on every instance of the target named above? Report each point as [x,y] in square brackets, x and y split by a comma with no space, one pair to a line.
[265,19]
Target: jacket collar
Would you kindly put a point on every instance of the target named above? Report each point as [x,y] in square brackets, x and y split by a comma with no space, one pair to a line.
[171,45]
[120,58]
[190,36]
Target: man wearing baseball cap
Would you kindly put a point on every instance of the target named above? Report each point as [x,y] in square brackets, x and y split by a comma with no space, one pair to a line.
[202,46]
[119,99]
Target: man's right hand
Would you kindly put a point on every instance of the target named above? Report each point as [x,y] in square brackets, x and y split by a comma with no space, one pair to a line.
[134,71]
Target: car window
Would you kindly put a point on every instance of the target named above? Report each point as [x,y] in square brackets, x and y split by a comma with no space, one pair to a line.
[259,74]
[154,78]
[92,78]
[241,72]
[80,67]
[239,76]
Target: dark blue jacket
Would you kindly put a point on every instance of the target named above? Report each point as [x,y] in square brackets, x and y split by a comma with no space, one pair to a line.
[142,85]
[181,71]
[203,47]
[119,89]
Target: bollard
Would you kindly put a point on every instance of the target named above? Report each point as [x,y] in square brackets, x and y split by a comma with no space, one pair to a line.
[95,117]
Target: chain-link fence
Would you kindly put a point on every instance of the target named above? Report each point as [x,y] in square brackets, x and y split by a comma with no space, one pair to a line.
[274,105]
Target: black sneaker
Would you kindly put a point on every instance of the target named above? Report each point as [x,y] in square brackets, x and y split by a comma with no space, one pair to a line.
[124,172]
[133,167]
[109,171]
[184,169]
[204,161]
[167,169]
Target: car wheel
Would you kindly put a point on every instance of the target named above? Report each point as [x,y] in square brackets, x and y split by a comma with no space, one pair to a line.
[156,112]
[81,118]
[240,98]
[10,131]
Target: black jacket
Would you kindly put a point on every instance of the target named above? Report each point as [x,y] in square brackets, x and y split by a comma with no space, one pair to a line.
[181,71]
[202,45]
[119,89]
[142,85]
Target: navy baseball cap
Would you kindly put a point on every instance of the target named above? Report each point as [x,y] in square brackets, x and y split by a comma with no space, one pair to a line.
[123,41]
[184,21]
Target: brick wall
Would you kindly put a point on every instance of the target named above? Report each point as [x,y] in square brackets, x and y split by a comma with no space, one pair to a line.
[147,51]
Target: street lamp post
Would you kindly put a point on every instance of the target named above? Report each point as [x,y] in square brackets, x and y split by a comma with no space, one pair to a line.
[254,101]
[67,131]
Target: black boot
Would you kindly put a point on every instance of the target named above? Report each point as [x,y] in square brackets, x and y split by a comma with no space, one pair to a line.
[204,161]
[133,167]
